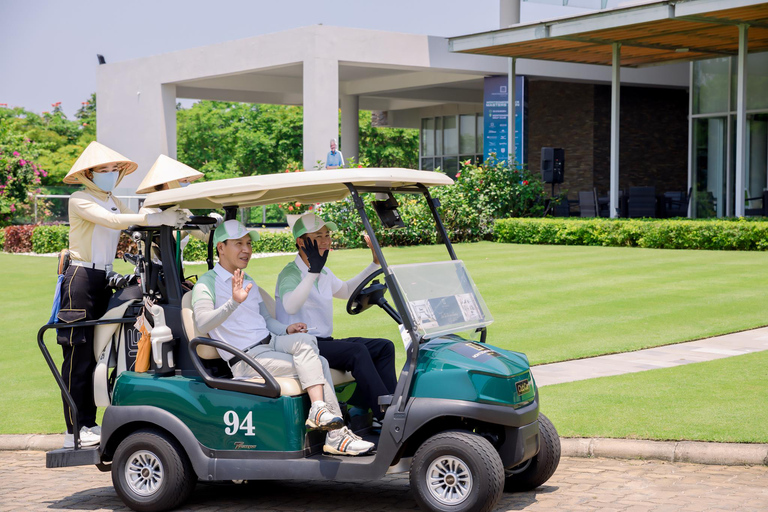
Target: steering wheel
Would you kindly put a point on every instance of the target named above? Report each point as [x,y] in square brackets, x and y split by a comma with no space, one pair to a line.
[366,296]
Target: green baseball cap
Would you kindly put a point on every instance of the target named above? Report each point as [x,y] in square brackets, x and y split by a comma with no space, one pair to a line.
[230,230]
[309,223]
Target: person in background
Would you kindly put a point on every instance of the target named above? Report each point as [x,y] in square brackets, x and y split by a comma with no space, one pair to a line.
[306,289]
[335,159]
[95,219]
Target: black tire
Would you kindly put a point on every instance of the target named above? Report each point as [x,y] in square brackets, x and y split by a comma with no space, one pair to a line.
[529,476]
[447,455]
[161,476]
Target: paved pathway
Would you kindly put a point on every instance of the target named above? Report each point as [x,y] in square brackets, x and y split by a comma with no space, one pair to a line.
[578,485]
[707,349]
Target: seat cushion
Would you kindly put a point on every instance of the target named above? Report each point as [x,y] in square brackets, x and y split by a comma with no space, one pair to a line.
[288,386]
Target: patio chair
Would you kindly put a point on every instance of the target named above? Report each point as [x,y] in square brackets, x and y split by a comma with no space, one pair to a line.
[587,204]
[641,202]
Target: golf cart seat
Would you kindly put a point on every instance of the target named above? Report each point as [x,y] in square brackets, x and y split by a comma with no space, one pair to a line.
[289,386]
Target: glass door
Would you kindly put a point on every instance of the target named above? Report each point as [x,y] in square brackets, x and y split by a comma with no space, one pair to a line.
[710,172]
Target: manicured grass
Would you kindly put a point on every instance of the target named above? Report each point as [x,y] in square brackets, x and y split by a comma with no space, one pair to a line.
[725,400]
[551,302]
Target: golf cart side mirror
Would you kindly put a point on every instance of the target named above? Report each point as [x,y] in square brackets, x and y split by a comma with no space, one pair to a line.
[387,212]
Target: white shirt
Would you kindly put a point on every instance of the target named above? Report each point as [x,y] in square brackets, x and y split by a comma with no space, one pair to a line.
[245,325]
[105,240]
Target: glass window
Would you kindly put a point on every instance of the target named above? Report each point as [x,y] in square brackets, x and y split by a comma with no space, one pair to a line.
[757,81]
[439,136]
[450,136]
[428,136]
[451,165]
[757,159]
[467,133]
[710,86]
[427,164]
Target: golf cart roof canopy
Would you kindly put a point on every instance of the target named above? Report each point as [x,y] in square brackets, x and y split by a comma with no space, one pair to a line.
[304,187]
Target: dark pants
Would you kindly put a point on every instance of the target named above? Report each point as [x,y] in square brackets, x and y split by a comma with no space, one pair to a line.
[84,296]
[372,363]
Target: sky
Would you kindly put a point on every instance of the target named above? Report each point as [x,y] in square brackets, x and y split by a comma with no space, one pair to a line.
[48,47]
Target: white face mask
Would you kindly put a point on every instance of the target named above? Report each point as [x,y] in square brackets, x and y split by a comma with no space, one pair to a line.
[106,181]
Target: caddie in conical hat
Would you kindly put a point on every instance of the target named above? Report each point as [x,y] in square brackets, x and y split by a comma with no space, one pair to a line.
[167,173]
[95,220]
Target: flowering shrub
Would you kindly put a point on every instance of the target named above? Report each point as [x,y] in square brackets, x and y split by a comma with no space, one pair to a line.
[20,177]
[295,207]
[480,194]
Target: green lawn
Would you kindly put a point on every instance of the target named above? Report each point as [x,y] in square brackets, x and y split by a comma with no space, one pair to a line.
[725,400]
[551,302]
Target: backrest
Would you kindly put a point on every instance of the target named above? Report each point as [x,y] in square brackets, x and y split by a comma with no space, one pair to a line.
[188,319]
[587,206]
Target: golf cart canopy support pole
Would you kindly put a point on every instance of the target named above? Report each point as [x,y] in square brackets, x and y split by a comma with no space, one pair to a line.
[404,383]
[438,221]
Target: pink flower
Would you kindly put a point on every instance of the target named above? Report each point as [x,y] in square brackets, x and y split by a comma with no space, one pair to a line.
[37,173]
[290,208]
[22,162]
[458,175]
[45,174]
[13,207]
[298,204]
[15,153]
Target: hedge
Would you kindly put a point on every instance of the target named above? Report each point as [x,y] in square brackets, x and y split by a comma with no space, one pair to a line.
[729,235]
[18,238]
[270,241]
[48,239]
[2,239]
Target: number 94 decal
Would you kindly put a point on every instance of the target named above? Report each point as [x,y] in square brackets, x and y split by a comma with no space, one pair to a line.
[234,425]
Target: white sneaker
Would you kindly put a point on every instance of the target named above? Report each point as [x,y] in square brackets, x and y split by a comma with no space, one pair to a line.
[344,442]
[87,438]
[96,429]
[321,417]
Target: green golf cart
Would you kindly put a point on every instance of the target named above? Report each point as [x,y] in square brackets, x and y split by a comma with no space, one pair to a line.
[464,419]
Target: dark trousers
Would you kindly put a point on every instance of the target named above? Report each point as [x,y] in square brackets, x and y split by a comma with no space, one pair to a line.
[84,296]
[372,363]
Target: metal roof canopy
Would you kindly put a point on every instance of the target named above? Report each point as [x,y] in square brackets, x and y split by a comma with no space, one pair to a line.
[650,34]
[306,187]
[656,32]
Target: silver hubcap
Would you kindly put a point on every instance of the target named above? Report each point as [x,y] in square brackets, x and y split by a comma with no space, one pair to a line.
[449,480]
[144,473]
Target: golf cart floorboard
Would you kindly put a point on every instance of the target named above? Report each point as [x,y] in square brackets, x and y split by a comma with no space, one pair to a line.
[66,457]
[360,459]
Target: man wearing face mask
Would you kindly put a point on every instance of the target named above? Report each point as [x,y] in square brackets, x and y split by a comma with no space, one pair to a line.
[95,220]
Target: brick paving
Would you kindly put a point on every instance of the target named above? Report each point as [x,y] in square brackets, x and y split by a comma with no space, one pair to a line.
[578,485]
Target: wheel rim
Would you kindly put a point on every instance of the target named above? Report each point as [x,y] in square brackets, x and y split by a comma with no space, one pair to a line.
[449,480]
[144,473]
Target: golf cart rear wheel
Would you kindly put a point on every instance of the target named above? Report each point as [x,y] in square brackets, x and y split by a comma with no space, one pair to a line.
[540,468]
[151,472]
[457,471]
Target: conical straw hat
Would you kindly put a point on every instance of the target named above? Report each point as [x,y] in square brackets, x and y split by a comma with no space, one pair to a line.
[164,170]
[95,155]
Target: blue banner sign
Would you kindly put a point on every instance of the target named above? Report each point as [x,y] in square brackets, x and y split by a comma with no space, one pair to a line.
[495,125]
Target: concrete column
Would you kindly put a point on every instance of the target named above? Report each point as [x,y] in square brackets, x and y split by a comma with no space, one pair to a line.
[741,122]
[321,108]
[168,97]
[350,126]
[615,111]
[509,13]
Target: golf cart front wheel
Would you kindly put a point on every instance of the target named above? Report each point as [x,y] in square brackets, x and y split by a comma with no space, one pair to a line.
[151,472]
[534,472]
[457,471]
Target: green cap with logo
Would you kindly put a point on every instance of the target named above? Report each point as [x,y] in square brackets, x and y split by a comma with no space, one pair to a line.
[309,223]
[231,230]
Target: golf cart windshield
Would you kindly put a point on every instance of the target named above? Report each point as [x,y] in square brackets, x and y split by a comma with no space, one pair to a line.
[441,297]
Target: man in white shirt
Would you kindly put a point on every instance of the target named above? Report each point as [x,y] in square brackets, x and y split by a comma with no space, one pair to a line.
[306,288]
[225,308]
